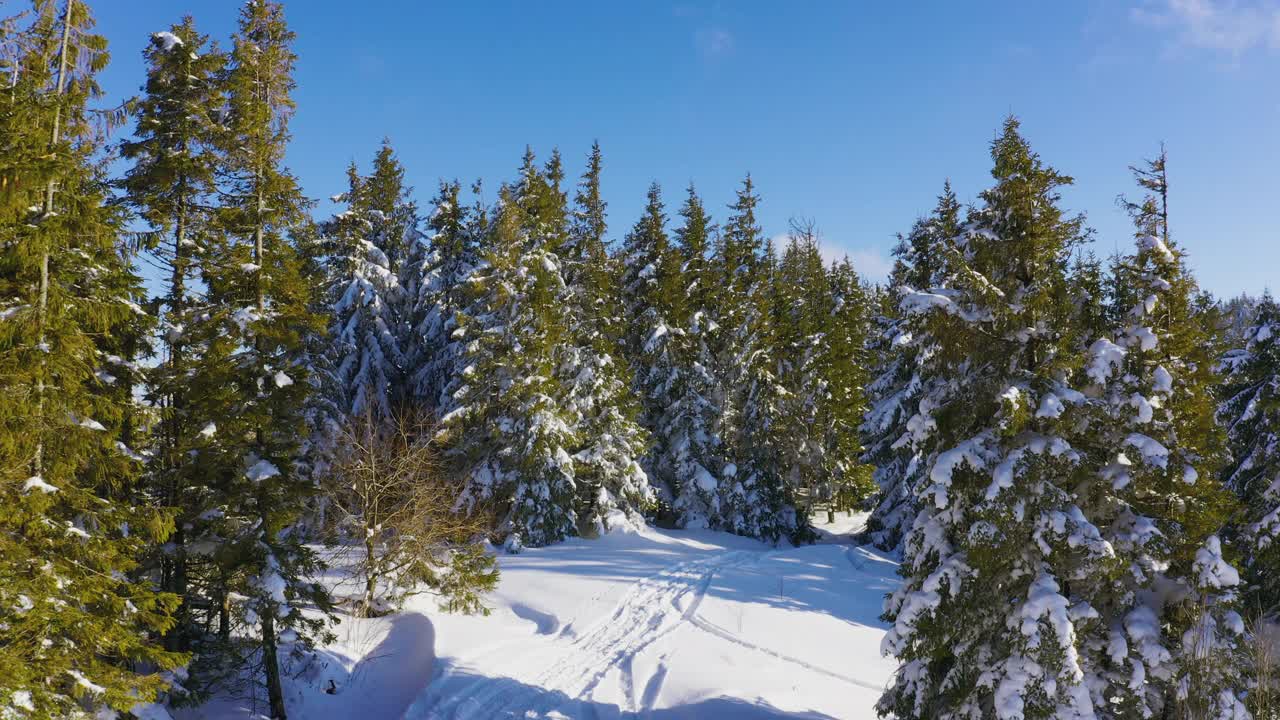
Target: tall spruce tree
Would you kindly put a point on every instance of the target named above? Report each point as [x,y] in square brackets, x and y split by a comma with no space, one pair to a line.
[1063,563]
[982,626]
[509,435]
[1158,365]
[802,319]
[76,626]
[590,270]
[171,184]
[843,368]
[755,499]
[438,294]
[689,456]
[254,376]
[613,487]
[368,245]
[1248,412]
[821,319]
[896,420]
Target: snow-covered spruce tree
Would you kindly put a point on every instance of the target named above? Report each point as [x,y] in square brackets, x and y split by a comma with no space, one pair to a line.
[689,456]
[77,630]
[820,322]
[253,377]
[801,320]
[1063,563]
[436,288]
[844,364]
[755,499]
[896,423]
[612,485]
[648,284]
[1003,566]
[1238,316]
[1166,455]
[1250,412]
[655,342]
[366,299]
[591,272]
[170,184]
[510,437]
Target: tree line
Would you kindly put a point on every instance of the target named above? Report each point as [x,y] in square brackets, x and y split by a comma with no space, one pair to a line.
[1076,458]
[177,452]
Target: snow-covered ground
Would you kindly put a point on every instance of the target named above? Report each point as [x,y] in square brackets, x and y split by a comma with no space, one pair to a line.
[650,624]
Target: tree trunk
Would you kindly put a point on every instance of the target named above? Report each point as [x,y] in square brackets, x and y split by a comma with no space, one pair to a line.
[43,311]
[370,577]
[224,611]
[177,637]
[271,663]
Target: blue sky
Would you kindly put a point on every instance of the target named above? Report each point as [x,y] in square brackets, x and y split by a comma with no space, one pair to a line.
[848,113]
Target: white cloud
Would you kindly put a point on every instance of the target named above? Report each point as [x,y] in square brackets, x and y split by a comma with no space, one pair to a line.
[1224,25]
[871,264]
[713,42]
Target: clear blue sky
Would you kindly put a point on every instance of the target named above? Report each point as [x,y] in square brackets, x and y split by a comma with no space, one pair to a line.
[845,112]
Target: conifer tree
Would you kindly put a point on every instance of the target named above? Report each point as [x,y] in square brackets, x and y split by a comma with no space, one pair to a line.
[170,184]
[367,351]
[688,456]
[613,487]
[1248,412]
[843,368]
[254,377]
[896,422]
[509,435]
[1070,483]
[754,497]
[1159,370]
[590,271]
[77,626]
[821,323]
[648,283]
[803,317]
[982,626]
[438,294]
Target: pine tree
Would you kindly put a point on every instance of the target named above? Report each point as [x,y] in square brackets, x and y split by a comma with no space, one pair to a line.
[754,497]
[1248,412]
[368,341]
[78,627]
[509,436]
[688,456]
[648,283]
[170,184]
[436,288]
[1001,559]
[1067,496]
[896,421]
[590,271]
[821,325]
[802,319]
[613,488]
[843,367]
[1160,391]
[253,377]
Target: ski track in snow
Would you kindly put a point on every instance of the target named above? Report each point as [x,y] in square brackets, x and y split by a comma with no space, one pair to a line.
[649,611]
[712,628]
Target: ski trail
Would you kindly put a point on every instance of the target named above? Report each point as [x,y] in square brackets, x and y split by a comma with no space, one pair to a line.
[710,627]
[650,610]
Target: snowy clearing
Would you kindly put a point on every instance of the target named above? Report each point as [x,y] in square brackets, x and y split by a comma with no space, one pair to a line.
[651,624]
